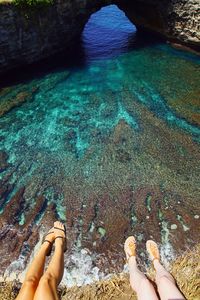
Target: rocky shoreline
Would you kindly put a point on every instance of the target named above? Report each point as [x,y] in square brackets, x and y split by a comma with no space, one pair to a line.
[142,175]
[184,269]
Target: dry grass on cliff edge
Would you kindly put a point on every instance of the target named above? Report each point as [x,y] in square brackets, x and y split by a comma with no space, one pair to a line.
[185,269]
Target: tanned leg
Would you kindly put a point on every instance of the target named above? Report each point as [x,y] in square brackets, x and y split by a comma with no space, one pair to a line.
[35,271]
[47,288]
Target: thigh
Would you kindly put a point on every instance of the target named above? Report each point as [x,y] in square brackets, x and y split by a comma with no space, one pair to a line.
[46,290]
[146,291]
[168,290]
[27,291]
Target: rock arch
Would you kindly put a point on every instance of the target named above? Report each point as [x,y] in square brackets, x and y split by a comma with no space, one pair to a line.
[31,35]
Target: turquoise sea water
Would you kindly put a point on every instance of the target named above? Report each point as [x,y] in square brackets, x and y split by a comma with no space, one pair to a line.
[64,120]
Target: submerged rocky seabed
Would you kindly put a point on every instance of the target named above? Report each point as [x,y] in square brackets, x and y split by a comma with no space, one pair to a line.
[112,150]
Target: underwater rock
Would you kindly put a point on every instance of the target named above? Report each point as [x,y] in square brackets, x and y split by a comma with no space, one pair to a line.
[3,161]
[187,106]
[5,190]
[15,101]
[71,135]
[122,155]
[70,141]
[122,133]
[13,209]
[136,181]
[19,239]
[16,241]
[68,122]
[50,81]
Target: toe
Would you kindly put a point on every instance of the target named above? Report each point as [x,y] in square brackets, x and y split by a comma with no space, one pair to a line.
[59,229]
[152,249]
[130,246]
[57,224]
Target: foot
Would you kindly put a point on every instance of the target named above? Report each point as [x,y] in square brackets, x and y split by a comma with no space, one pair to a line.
[60,234]
[48,241]
[130,247]
[153,250]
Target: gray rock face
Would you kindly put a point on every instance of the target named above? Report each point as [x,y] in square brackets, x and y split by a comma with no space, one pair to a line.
[27,36]
[178,20]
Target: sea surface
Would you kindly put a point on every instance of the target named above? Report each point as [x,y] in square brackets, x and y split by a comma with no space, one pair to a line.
[107,142]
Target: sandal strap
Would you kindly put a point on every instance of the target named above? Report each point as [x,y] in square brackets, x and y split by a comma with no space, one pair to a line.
[60,229]
[48,242]
[60,237]
[155,259]
[127,260]
[49,233]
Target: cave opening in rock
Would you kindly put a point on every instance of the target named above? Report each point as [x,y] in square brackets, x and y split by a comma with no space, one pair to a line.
[107,33]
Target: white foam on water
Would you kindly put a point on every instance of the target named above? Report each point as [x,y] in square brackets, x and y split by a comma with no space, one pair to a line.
[80,269]
[17,269]
[167,253]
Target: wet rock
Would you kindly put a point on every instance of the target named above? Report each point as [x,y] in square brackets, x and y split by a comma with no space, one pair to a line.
[49,216]
[122,133]
[173,226]
[10,103]
[3,161]
[71,135]
[13,208]
[68,122]
[187,106]
[122,155]
[70,141]
[176,20]
[5,190]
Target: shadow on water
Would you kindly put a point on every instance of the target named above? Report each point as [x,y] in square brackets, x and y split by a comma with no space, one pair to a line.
[76,58]
[101,39]
[58,62]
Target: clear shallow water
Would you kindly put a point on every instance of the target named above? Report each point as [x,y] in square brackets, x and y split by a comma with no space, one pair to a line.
[108,137]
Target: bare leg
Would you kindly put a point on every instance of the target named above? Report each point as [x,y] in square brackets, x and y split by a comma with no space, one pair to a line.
[139,282]
[166,284]
[47,288]
[35,272]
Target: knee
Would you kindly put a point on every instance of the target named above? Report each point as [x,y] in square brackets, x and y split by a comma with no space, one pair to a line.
[165,279]
[31,281]
[47,278]
[144,284]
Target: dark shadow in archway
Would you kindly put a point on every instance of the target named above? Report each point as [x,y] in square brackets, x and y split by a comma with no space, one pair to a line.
[108,33]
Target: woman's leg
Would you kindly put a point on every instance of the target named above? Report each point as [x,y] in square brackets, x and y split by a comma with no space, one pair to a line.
[139,282]
[47,288]
[35,270]
[165,282]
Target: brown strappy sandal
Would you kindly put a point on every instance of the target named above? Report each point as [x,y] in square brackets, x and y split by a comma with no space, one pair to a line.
[62,237]
[45,240]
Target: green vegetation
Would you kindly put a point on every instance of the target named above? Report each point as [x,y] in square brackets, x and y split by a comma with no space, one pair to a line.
[32,3]
[5,1]
[28,3]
